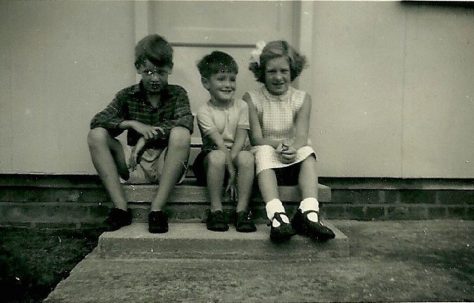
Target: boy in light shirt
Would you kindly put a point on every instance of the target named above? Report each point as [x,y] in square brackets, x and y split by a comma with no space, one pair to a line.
[225,161]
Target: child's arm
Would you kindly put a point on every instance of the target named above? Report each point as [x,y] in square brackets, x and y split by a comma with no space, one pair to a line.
[288,154]
[242,130]
[114,118]
[147,131]
[208,129]
[302,123]
[137,153]
[256,136]
[239,142]
[110,117]
[182,115]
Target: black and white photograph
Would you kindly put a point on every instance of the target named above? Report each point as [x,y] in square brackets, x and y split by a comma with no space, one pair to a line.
[236,151]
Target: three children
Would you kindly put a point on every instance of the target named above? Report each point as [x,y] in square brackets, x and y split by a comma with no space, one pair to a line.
[159,121]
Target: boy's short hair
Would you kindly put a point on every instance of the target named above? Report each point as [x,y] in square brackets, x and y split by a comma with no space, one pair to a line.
[155,49]
[276,49]
[217,62]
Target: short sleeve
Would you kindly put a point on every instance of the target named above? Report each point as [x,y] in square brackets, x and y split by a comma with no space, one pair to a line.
[298,99]
[205,121]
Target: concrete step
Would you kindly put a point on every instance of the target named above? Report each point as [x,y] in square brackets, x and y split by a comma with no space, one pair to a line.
[77,201]
[116,280]
[190,202]
[193,193]
[188,192]
[194,241]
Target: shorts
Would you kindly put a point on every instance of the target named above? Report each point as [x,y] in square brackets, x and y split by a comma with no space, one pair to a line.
[150,168]
[200,171]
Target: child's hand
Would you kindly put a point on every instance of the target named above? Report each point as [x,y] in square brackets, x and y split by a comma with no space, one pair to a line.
[288,155]
[230,188]
[286,152]
[281,147]
[147,131]
[137,153]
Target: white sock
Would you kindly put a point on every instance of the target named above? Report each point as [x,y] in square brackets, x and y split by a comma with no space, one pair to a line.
[275,206]
[310,204]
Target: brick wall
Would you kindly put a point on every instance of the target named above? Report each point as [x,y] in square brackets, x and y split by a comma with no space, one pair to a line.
[396,199]
[81,201]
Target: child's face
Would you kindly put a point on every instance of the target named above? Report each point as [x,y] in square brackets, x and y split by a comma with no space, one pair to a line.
[221,86]
[277,75]
[154,78]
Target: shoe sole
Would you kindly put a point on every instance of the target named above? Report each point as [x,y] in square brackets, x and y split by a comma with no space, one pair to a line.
[218,229]
[154,231]
[315,236]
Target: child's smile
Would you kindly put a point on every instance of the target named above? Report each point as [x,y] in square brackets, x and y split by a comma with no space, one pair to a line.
[221,86]
[277,76]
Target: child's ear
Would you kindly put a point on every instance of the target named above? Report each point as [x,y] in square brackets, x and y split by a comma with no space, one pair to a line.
[205,82]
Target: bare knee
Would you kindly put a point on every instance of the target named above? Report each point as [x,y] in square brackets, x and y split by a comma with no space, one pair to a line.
[180,137]
[216,158]
[97,137]
[309,163]
[245,160]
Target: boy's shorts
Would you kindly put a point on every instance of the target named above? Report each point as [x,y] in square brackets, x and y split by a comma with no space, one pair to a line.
[200,171]
[150,168]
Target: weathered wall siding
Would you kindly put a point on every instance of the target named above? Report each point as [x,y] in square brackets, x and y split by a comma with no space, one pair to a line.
[393,89]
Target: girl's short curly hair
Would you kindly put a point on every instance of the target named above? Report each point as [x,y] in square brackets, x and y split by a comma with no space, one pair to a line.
[155,49]
[276,49]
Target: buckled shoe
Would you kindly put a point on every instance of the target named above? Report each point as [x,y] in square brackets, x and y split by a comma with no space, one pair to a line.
[316,230]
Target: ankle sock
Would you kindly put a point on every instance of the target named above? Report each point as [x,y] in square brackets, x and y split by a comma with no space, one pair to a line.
[275,206]
[310,204]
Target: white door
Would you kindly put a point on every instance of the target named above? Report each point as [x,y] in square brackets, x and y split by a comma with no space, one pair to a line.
[196,28]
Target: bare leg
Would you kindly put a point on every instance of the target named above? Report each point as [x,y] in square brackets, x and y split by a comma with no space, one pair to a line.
[308,178]
[214,164]
[176,159]
[246,171]
[268,185]
[109,160]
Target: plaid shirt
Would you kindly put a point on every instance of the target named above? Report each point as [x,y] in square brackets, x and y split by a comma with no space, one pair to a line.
[131,104]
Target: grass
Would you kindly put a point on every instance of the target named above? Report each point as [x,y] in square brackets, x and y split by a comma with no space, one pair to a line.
[389,261]
[33,261]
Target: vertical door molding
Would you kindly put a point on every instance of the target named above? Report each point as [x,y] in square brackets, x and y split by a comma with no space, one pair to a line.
[142,22]
[305,43]
[142,19]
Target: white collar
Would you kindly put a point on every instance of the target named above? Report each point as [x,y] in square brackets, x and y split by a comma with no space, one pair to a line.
[285,97]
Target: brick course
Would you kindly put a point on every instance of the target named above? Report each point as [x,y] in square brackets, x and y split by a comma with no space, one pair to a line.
[81,202]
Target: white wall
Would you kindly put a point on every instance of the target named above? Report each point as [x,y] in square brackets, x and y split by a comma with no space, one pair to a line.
[60,63]
[393,89]
[392,83]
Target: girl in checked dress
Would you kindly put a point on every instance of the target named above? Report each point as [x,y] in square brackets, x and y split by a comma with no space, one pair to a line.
[279,123]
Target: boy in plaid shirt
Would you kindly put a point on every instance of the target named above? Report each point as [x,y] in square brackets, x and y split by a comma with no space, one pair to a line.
[159,124]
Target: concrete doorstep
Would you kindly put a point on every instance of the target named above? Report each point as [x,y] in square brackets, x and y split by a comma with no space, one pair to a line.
[193,241]
[133,265]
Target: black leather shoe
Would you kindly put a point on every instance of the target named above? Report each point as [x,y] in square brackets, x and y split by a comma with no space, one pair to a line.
[157,222]
[306,227]
[283,232]
[216,221]
[243,222]
[118,218]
